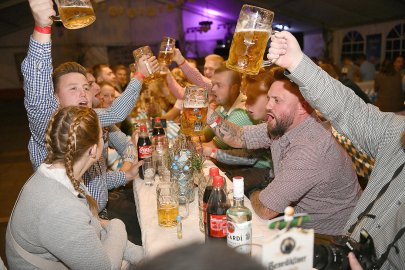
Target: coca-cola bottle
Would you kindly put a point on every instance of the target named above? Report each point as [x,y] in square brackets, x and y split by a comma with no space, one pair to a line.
[216,229]
[144,147]
[204,192]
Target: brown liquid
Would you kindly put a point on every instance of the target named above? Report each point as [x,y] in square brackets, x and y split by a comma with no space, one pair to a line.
[193,121]
[247,50]
[74,17]
[165,57]
[167,214]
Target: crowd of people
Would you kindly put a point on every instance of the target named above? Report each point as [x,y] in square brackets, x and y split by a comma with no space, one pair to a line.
[280,120]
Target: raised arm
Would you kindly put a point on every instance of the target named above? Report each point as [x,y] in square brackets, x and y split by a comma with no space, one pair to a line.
[192,74]
[174,87]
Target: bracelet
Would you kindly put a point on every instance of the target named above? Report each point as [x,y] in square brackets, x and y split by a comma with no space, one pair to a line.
[43,30]
[182,63]
[213,152]
[213,125]
[137,73]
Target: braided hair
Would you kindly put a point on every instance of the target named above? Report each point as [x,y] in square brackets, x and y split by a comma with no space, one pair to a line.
[71,132]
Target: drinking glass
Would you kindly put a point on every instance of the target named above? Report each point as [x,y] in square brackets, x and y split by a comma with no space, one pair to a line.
[250,39]
[75,14]
[149,171]
[166,51]
[138,53]
[195,107]
[168,204]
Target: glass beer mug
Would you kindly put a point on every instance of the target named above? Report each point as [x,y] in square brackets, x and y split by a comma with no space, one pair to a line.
[250,39]
[195,107]
[138,53]
[166,51]
[75,14]
[168,206]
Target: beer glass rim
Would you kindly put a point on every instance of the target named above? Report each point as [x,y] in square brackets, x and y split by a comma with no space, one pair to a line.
[142,49]
[258,8]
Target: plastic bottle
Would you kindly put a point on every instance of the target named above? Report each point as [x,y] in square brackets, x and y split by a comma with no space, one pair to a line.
[216,228]
[204,192]
[144,146]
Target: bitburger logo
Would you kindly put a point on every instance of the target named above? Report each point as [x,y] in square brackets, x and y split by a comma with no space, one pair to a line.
[287,245]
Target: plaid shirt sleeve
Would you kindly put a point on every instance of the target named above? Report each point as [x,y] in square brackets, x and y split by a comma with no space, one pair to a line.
[256,137]
[239,117]
[121,106]
[194,76]
[238,156]
[119,141]
[39,99]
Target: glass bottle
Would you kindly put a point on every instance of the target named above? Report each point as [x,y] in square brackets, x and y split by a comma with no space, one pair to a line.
[239,219]
[216,228]
[144,146]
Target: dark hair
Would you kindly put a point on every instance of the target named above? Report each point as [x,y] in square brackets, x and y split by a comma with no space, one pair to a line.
[201,257]
[66,68]
[97,69]
[265,76]
[387,67]
[71,132]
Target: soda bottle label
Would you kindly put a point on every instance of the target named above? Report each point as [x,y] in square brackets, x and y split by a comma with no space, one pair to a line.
[240,234]
[145,151]
[218,226]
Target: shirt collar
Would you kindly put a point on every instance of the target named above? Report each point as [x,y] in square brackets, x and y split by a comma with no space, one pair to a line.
[290,135]
[59,174]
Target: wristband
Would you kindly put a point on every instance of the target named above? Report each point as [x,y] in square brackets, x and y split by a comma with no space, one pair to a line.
[137,73]
[43,30]
[213,125]
[213,152]
[182,63]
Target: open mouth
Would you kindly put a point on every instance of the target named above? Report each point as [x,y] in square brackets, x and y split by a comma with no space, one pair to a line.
[83,103]
[270,117]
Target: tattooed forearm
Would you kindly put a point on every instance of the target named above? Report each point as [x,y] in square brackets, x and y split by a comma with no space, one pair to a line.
[259,208]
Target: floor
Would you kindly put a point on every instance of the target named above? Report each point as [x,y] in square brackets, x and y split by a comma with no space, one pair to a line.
[15,166]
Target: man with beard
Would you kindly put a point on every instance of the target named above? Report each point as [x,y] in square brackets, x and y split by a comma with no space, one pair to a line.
[380,210]
[313,173]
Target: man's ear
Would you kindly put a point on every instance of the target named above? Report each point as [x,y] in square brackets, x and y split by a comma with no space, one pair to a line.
[93,151]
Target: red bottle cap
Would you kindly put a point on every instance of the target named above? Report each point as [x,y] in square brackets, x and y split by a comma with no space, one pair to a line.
[218,181]
[214,171]
[142,128]
[157,119]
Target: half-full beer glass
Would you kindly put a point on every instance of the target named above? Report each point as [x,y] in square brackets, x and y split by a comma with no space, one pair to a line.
[249,42]
[75,14]
[195,107]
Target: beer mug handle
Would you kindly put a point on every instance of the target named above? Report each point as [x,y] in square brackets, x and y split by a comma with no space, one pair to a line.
[55,18]
[267,63]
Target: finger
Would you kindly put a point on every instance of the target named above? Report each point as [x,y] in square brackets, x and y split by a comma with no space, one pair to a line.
[354,263]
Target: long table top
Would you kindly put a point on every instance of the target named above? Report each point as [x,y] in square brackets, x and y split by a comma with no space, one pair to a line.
[156,239]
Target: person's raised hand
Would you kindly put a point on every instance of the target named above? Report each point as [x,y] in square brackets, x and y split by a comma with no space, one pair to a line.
[42,10]
[177,56]
[284,50]
[147,65]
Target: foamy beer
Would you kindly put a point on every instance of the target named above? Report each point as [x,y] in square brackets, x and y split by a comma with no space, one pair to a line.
[166,51]
[75,14]
[195,107]
[250,39]
[138,53]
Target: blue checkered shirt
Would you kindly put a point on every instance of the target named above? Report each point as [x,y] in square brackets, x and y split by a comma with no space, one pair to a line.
[41,103]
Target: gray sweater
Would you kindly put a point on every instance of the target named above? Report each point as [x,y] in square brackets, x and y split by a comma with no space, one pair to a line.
[51,222]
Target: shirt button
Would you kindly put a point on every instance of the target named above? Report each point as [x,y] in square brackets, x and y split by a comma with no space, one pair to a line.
[378,226]
[40,65]
[399,203]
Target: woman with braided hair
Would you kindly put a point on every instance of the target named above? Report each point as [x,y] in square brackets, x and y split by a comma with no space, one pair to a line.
[54,224]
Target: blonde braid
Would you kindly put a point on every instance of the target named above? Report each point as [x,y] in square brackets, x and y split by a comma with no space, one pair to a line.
[48,141]
[70,149]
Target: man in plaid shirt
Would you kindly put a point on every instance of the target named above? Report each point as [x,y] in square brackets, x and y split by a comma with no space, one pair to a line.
[381,208]
[71,89]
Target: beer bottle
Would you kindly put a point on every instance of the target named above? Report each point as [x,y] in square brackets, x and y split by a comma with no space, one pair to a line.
[144,147]
[216,229]
[239,220]
[204,192]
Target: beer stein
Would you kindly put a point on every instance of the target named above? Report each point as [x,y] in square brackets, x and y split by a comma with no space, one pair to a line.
[168,206]
[138,53]
[195,107]
[75,14]
[166,51]
[250,39]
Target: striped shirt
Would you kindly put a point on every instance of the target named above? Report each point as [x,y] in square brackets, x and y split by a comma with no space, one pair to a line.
[376,133]
[314,174]
[40,103]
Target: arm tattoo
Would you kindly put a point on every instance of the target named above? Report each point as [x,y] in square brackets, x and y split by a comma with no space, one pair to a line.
[230,133]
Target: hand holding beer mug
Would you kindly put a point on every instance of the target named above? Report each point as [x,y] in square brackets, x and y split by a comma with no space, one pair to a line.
[166,51]
[146,65]
[153,71]
[249,41]
[195,107]
[75,14]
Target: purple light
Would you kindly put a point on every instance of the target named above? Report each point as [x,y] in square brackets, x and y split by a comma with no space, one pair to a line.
[212,12]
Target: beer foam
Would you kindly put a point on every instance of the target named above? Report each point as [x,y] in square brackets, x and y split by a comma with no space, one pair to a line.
[192,106]
[253,30]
